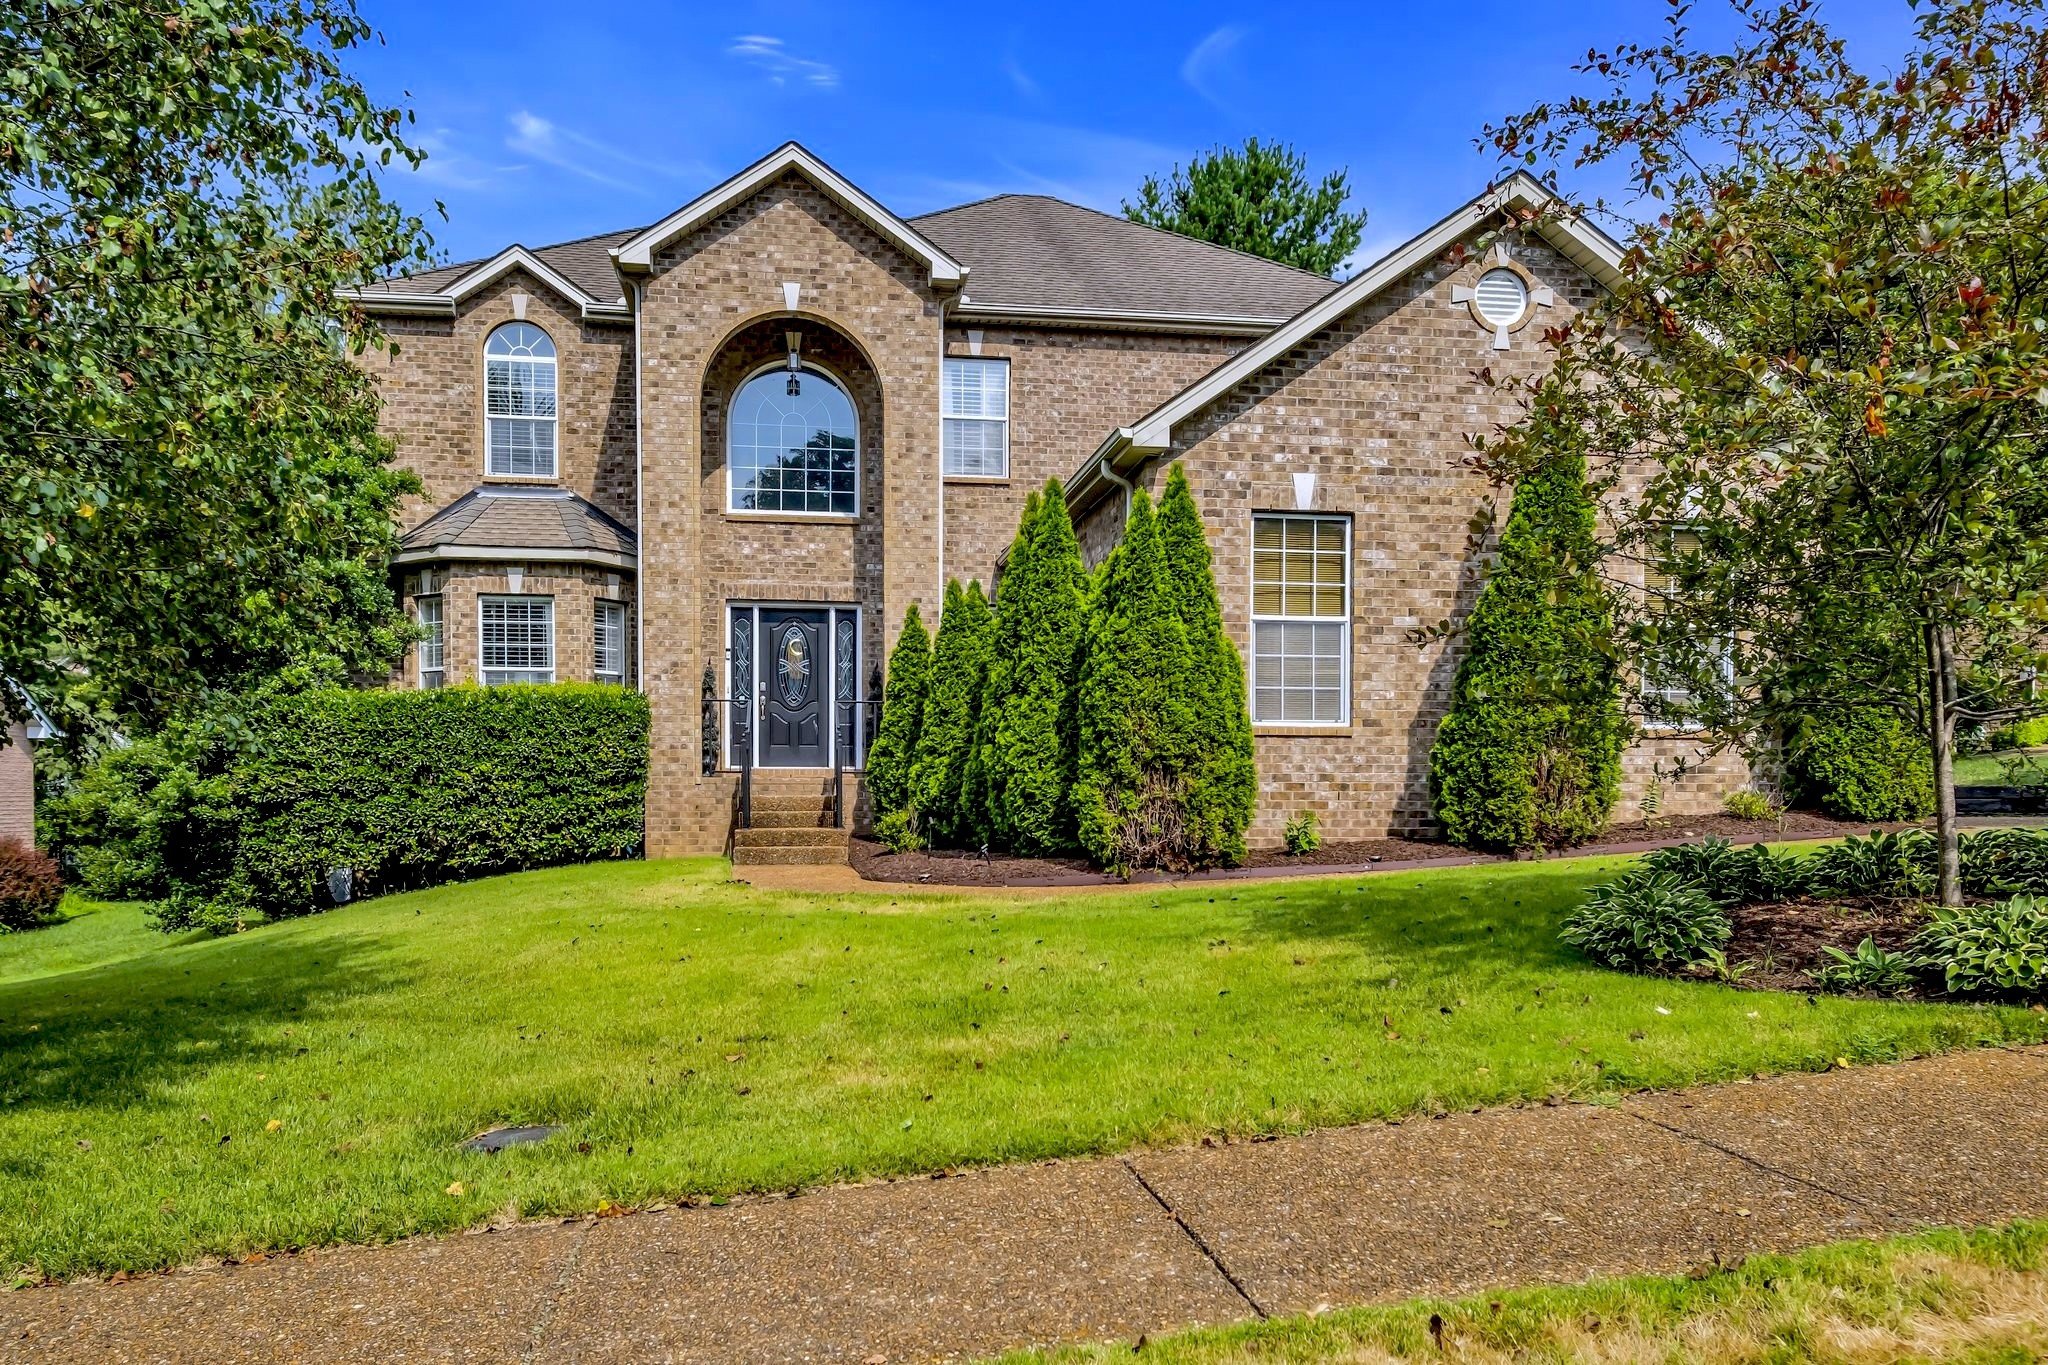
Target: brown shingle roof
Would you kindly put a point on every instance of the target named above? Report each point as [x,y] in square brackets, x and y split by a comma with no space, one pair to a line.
[1031,251]
[1024,251]
[520,517]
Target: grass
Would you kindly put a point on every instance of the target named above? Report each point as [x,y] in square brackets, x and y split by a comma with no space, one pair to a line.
[308,1082]
[1964,1297]
[2016,767]
[88,934]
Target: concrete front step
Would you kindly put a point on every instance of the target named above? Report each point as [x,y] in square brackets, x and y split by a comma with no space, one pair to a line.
[788,837]
[782,801]
[817,855]
[809,815]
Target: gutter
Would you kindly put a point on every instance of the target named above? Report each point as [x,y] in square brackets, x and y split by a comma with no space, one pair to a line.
[639,502]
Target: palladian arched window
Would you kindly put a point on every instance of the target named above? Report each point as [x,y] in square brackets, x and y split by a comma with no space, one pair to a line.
[519,402]
[794,445]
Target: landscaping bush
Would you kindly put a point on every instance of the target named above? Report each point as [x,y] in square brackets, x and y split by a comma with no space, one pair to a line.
[414,788]
[938,770]
[887,780]
[106,825]
[1530,752]
[2025,734]
[1869,968]
[1303,834]
[1877,864]
[30,886]
[1863,765]
[1021,775]
[1223,776]
[1132,711]
[1750,804]
[1995,949]
[1648,921]
[898,832]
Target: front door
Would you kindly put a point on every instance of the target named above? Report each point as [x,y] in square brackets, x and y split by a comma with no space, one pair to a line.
[795,679]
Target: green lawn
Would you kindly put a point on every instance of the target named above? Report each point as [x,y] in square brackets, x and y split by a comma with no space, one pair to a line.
[699,1037]
[1952,1296]
[2012,768]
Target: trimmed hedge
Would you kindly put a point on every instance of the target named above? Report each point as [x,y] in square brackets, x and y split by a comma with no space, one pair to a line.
[414,788]
[1864,765]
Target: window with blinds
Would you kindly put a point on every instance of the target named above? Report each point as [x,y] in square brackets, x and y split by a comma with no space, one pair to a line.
[427,610]
[608,654]
[974,412]
[519,402]
[1301,620]
[516,638]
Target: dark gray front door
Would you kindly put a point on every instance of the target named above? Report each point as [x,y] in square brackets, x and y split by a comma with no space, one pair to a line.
[795,676]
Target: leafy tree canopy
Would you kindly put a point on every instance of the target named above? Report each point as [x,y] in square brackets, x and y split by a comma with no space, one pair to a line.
[1821,386]
[193,490]
[1257,198]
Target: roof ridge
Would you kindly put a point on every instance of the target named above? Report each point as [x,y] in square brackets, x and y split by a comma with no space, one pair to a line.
[985,199]
[1199,241]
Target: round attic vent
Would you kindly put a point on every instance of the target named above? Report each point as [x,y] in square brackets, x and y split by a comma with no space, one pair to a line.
[1501,297]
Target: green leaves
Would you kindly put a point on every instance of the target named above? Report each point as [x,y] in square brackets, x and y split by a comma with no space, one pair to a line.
[1256,199]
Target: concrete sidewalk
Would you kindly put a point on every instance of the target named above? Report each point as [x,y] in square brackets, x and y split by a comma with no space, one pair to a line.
[1110,1248]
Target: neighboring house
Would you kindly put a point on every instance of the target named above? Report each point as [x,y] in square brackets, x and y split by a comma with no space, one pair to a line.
[749,436]
[18,774]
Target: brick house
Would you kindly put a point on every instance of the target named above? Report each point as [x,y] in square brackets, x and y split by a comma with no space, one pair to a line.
[736,444]
[18,771]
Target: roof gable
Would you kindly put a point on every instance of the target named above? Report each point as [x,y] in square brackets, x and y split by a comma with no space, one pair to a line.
[637,252]
[1580,242]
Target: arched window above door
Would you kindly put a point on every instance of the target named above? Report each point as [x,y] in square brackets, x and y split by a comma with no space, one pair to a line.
[793,445]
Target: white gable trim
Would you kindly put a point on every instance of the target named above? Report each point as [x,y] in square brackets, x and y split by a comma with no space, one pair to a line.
[1579,241]
[445,302]
[638,253]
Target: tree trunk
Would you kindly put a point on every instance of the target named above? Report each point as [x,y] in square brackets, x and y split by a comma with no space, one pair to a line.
[1941,692]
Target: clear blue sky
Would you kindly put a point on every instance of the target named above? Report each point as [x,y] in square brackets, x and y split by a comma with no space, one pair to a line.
[547,121]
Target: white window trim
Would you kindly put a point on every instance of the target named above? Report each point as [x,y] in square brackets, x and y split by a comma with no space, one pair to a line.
[441,645]
[1252,653]
[1003,421]
[598,612]
[732,509]
[485,599]
[553,419]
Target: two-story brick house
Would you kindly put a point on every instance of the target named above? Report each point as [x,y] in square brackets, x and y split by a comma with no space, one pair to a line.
[738,443]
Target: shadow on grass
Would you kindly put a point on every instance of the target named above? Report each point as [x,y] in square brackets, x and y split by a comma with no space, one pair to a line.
[116,1035]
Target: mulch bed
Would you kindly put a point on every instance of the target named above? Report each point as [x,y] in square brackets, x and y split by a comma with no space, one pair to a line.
[1780,943]
[952,867]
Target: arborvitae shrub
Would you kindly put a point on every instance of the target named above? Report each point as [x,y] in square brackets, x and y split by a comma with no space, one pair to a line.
[938,771]
[888,771]
[1022,773]
[1223,779]
[1530,754]
[1863,764]
[1130,796]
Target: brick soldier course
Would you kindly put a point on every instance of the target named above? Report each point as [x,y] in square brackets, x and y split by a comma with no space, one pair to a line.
[1126,349]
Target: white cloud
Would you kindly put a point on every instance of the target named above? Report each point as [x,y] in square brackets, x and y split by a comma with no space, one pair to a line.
[447,166]
[780,65]
[1209,64]
[1020,78]
[580,154]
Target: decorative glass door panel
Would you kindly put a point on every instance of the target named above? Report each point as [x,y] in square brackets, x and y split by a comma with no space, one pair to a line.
[790,668]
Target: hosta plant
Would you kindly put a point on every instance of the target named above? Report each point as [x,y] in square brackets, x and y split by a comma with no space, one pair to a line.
[1995,949]
[1648,921]
[1877,864]
[1869,968]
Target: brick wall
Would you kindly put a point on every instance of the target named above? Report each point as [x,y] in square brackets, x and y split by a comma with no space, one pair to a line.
[433,396]
[1068,389]
[1377,407]
[17,787]
[575,588]
[714,288]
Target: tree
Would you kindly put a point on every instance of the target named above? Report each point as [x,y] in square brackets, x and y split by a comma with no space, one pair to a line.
[1822,361]
[1530,754]
[1256,199]
[887,779]
[938,773]
[1134,760]
[194,486]
[1022,771]
[1223,779]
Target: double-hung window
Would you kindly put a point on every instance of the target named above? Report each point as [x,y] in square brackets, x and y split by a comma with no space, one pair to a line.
[519,403]
[1301,620]
[1665,681]
[428,612]
[608,653]
[974,411]
[517,639]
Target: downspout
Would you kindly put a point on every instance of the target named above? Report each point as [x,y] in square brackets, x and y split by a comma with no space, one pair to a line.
[639,515]
[1109,472]
[941,395]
